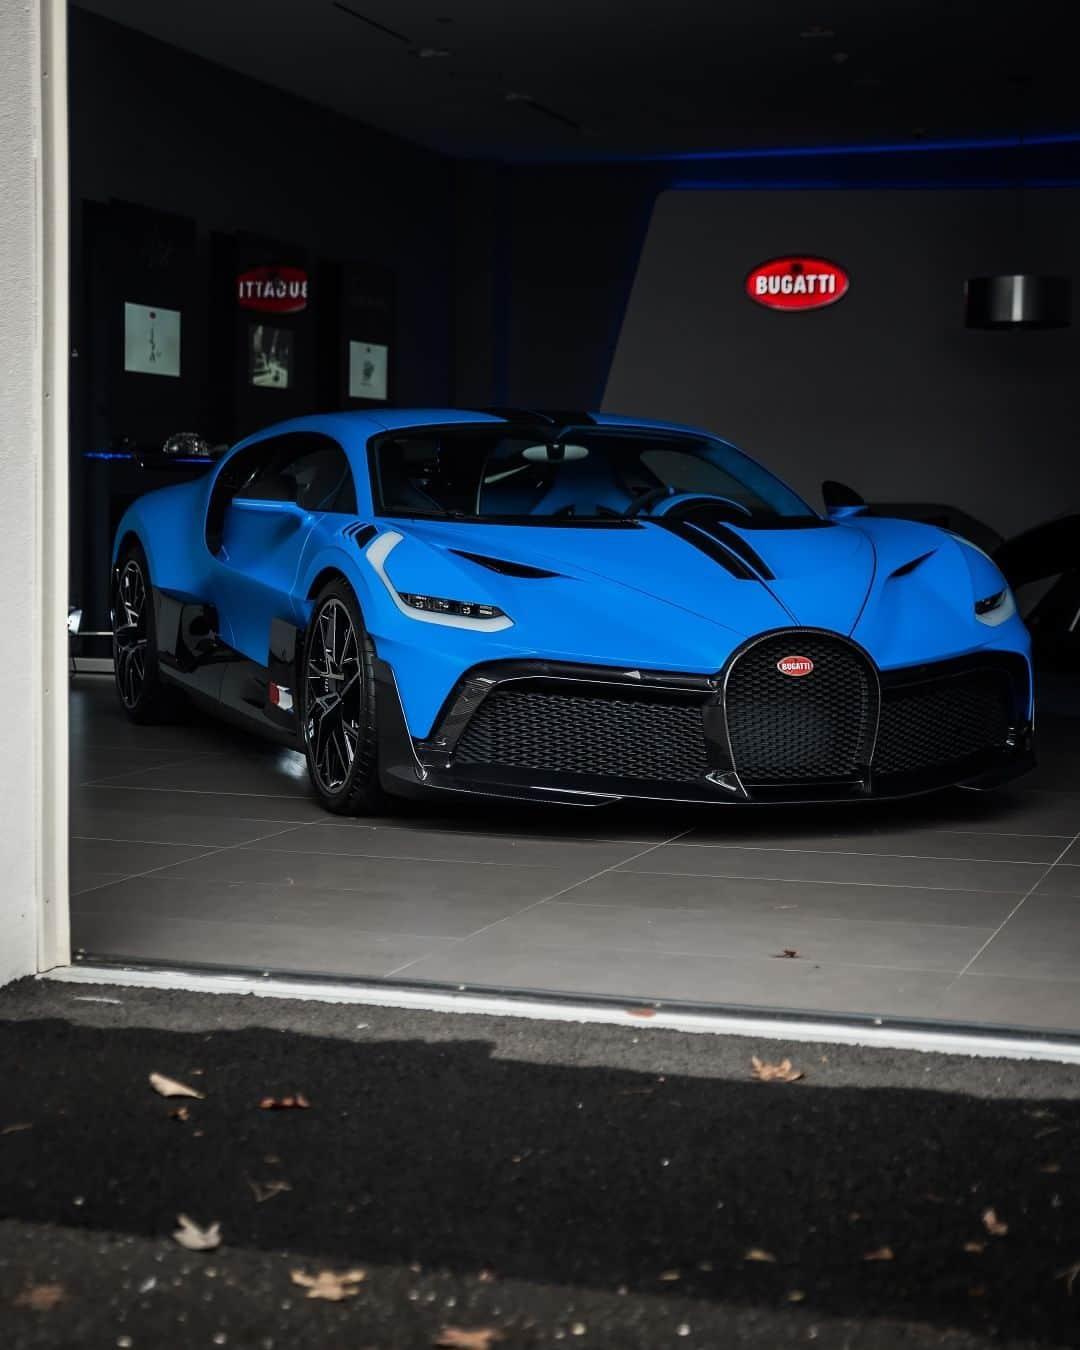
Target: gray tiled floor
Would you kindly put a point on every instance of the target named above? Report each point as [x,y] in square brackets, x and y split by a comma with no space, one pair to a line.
[198,845]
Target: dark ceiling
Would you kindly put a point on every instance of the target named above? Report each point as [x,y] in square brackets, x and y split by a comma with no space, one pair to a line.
[527,79]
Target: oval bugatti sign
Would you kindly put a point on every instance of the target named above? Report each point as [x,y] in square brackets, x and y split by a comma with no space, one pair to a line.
[795,665]
[797,282]
[275,290]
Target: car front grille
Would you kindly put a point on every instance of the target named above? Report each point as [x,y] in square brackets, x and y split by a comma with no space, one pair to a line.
[785,728]
[943,721]
[582,734]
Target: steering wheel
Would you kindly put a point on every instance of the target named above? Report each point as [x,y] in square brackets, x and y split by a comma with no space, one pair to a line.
[647,500]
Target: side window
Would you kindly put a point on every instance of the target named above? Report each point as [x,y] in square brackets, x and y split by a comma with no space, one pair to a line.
[303,467]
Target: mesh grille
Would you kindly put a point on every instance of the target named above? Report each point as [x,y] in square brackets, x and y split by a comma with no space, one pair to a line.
[943,721]
[565,733]
[815,726]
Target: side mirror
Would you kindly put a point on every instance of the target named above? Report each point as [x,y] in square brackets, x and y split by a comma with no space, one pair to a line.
[840,500]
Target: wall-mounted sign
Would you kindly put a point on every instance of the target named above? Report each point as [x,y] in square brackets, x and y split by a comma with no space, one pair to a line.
[797,282]
[151,340]
[367,369]
[274,290]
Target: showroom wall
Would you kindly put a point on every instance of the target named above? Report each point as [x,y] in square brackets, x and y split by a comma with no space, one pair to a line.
[887,389]
[164,129]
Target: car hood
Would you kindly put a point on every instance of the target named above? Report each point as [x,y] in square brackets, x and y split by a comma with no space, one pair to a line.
[816,577]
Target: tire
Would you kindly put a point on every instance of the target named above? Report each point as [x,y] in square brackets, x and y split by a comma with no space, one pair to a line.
[143,694]
[337,706]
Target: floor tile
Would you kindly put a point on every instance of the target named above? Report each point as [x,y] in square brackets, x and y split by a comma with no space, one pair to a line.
[1064,879]
[144,824]
[819,899]
[299,948]
[1049,950]
[455,846]
[82,879]
[1009,1002]
[808,865]
[704,979]
[760,937]
[926,843]
[163,801]
[453,913]
[277,773]
[387,878]
[108,855]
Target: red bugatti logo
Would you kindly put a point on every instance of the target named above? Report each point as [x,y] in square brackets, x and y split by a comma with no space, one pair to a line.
[797,282]
[275,290]
[795,665]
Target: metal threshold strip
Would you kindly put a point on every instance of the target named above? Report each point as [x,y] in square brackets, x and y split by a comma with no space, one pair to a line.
[660,1015]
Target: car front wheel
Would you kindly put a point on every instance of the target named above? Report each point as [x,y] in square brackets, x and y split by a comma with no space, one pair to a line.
[338,705]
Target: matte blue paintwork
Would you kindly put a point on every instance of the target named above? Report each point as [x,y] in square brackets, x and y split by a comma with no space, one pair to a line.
[635,598]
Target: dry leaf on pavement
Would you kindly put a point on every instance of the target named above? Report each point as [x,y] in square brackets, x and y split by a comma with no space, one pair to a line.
[194,1238]
[266,1190]
[461,1338]
[297,1100]
[879,1254]
[169,1087]
[788,954]
[757,1254]
[41,1297]
[774,1073]
[993,1225]
[14,1129]
[329,1284]
[975,1248]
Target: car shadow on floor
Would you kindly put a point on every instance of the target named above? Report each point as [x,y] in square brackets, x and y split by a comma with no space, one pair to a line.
[868,1201]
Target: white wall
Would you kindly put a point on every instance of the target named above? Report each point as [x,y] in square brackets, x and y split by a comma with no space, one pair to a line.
[29,690]
[885,390]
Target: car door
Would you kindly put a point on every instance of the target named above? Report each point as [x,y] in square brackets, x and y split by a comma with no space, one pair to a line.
[265,523]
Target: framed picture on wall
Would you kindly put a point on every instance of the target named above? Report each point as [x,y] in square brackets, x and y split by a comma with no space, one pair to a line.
[368,367]
[151,340]
[270,355]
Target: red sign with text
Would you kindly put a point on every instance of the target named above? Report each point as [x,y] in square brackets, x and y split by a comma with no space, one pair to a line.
[274,290]
[797,282]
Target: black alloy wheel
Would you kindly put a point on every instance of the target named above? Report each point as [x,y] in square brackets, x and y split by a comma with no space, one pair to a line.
[143,695]
[338,705]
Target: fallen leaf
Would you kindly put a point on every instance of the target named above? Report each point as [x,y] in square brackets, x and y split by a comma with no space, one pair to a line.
[194,1238]
[297,1100]
[642,1012]
[1069,1275]
[795,1295]
[328,1284]
[461,1338]
[879,1254]
[758,1254]
[19,1125]
[993,1225]
[788,954]
[1051,1169]
[975,1248]
[266,1190]
[774,1073]
[180,1113]
[670,1276]
[169,1087]
[41,1297]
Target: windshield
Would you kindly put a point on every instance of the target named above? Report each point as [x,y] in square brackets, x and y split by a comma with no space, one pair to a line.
[581,474]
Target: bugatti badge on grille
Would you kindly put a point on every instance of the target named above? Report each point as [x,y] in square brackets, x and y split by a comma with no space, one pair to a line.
[794,665]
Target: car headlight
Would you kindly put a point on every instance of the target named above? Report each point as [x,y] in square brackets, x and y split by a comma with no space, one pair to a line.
[436,605]
[469,614]
[996,608]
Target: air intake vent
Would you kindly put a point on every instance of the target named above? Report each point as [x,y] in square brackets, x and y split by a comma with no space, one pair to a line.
[360,534]
[503,566]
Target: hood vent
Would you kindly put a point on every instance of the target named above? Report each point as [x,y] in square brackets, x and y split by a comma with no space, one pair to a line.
[906,569]
[504,567]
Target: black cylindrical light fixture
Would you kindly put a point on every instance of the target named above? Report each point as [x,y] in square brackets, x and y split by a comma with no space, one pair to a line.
[1020,300]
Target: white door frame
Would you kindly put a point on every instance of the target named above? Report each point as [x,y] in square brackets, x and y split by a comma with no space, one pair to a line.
[50,710]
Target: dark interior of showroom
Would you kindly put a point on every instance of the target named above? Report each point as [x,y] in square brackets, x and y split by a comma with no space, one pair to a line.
[478,206]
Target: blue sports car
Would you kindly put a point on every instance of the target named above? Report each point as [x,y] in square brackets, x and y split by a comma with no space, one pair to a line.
[565,607]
